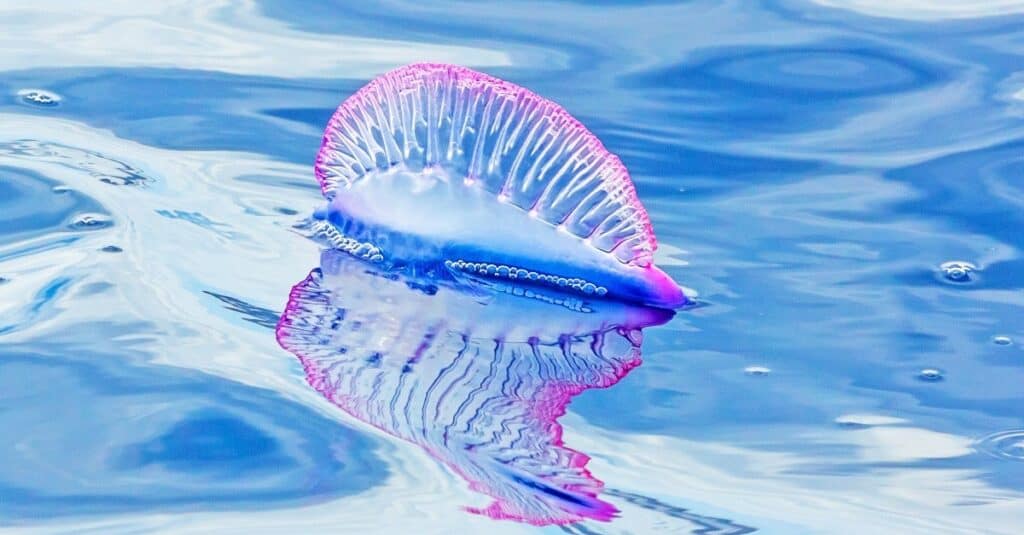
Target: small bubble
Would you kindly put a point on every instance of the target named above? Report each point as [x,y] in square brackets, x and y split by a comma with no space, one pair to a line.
[958,271]
[39,97]
[1002,340]
[756,370]
[931,375]
[61,189]
[111,249]
[91,222]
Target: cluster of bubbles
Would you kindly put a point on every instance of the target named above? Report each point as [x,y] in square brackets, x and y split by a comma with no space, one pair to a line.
[958,272]
[511,272]
[568,302]
[39,97]
[356,248]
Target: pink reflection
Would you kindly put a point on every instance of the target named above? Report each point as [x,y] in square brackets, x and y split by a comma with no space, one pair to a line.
[477,376]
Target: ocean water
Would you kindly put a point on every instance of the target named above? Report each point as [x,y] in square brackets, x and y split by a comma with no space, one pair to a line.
[840,181]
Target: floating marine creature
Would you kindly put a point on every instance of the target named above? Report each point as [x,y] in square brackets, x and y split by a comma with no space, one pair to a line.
[488,260]
[441,171]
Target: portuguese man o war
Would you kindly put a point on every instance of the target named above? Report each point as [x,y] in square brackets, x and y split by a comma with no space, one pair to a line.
[487,260]
[475,372]
[441,171]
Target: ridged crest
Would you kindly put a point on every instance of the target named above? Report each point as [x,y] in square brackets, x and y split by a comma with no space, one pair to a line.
[526,150]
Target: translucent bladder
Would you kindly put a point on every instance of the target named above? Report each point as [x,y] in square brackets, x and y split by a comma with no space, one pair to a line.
[438,168]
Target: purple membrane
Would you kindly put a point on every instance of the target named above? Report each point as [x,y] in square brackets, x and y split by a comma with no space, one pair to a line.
[476,372]
[432,166]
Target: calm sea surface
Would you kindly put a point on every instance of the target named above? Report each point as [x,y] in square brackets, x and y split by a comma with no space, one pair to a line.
[841,182]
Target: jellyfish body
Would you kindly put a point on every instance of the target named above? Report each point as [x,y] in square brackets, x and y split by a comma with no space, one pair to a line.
[453,172]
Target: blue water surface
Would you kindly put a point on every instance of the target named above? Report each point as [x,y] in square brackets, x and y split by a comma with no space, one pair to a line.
[811,169]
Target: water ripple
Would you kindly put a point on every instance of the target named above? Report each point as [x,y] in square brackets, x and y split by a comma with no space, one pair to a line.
[1007,445]
[95,164]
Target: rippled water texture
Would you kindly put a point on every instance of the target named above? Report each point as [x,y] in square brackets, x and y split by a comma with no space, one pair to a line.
[840,181]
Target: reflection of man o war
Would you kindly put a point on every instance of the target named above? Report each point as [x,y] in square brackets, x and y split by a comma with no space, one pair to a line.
[475,375]
[442,170]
